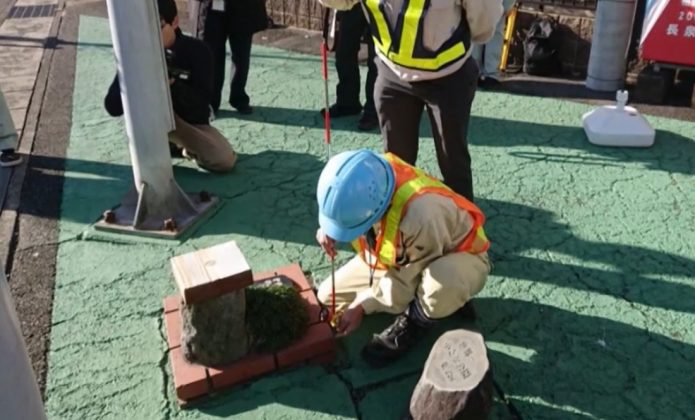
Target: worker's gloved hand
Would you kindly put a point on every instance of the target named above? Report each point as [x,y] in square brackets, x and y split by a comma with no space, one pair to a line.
[327,243]
[350,321]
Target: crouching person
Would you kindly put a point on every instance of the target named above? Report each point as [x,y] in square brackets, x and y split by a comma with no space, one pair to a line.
[190,80]
[421,248]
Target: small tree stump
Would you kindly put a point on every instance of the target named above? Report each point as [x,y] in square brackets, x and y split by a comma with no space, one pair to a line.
[214,331]
[457,380]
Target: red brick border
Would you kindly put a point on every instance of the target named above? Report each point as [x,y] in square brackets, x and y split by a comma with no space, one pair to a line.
[312,306]
[293,272]
[192,381]
[316,342]
[241,371]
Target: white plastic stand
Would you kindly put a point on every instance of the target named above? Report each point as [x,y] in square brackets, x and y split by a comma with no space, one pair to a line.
[618,125]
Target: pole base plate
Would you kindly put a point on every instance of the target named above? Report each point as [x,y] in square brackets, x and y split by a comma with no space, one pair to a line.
[121,218]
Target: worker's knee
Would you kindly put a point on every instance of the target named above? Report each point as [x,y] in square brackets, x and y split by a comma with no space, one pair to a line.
[224,162]
[439,307]
[448,284]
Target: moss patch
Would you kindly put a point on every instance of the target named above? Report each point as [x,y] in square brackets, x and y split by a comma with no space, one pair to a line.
[276,316]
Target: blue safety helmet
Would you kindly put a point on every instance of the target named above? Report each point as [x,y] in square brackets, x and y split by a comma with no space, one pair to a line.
[354,192]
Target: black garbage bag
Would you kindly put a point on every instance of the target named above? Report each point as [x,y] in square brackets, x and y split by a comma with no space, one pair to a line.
[541,48]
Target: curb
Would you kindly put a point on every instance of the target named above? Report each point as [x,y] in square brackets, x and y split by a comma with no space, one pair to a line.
[9,214]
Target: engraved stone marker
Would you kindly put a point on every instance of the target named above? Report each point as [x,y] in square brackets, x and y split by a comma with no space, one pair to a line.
[457,380]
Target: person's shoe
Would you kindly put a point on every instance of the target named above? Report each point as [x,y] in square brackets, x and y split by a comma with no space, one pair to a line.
[188,155]
[368,122]
[393,342]
[175,151]
[244,109]
[9,159]
[337,111]
[488,82]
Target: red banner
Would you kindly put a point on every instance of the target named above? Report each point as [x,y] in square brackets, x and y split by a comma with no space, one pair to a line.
[669,35]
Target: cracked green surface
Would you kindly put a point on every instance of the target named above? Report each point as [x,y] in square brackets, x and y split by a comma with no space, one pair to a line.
[588,313]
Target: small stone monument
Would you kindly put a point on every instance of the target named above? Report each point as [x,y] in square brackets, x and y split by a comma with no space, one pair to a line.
[211,282]
[221,333]
[457,380]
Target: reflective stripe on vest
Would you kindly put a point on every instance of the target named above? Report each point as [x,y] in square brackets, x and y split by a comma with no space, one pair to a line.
[412,182]
[400,45]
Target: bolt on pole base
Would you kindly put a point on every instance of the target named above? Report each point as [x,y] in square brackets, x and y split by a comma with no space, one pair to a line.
[122,219]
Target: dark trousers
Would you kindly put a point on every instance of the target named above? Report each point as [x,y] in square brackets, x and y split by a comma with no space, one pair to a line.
[448,102]
[353,25]
[217,34]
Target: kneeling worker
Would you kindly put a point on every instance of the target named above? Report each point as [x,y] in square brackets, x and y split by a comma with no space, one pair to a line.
[190,83]
[422,247]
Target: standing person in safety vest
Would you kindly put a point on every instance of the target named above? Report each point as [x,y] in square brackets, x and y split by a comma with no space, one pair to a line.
[422,247]
[424,49]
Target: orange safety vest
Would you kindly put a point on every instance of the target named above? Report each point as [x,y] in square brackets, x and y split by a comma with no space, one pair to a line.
[412,182]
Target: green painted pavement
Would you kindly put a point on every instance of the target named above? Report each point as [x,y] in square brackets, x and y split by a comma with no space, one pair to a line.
[588,313]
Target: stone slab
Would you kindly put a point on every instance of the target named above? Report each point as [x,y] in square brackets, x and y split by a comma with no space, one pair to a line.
[10,83]
[18,99]
[19,117]
[19,61]
[29,29]
[457,362]
[34,2]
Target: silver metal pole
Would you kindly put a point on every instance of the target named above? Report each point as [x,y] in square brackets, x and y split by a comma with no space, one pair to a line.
[157,204]
[19,393]
[610,41]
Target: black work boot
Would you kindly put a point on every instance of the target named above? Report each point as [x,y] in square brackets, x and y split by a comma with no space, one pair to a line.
[338,111]
[392,343]
[468,311]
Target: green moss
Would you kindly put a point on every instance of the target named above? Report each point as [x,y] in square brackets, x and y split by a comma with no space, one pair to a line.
[276,316]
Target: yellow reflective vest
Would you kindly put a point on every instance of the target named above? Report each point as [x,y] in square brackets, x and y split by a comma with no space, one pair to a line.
[401,42]
[412,182]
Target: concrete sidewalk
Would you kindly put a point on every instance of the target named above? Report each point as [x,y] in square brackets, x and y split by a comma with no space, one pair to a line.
[24,35]
[588,313]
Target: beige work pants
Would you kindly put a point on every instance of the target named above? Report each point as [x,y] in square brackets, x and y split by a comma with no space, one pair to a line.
[204,143]
[441,289]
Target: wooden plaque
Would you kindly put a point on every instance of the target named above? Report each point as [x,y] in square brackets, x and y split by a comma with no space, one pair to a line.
[211,272]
